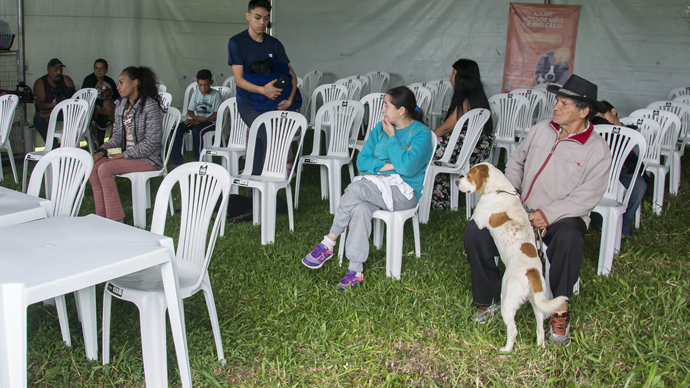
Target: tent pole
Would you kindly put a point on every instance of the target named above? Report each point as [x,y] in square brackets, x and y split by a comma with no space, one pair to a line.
[272,29]
[21,75]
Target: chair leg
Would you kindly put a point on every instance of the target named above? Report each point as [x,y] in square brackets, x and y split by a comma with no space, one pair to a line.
[468,205]
[256,206]
[638,213]
[351,168]
[607,247]
[268,216]
[215,326]
[394,243]
[300,166]
[291,212]
[659,182]
[8,147]
[139,202]
[425,201]
[62,317]
[324,181]
[417,240]
[107,301]
[454,192]
[25,173]
[378,233]
[153,342]
[334,186]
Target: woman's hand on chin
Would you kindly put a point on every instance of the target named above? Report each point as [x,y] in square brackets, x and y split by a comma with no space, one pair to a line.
[388,128]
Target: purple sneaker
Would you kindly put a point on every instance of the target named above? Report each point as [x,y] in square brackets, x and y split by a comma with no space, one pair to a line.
[351,280]
[317,257]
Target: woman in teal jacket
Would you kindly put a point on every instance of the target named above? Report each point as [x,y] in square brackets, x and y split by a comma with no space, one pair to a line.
[392,163]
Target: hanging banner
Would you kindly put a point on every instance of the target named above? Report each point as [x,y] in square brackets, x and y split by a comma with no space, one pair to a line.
[541,44]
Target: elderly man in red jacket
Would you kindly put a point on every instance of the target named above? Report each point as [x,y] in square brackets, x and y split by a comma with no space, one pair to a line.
[561,171]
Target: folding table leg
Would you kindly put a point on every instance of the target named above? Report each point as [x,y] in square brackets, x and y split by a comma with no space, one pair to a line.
[12,336]
[87,306]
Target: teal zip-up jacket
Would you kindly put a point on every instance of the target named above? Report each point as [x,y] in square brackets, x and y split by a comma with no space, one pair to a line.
[409,152]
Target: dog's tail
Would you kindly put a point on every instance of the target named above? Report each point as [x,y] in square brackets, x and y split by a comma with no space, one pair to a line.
[548,307]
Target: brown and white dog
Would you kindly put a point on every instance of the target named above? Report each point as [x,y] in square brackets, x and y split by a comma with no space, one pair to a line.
[502,213]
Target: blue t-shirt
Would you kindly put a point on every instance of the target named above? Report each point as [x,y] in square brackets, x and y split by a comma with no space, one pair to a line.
[243,50]
[205,105]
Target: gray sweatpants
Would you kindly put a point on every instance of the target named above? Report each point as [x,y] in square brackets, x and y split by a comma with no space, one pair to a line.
[357,205]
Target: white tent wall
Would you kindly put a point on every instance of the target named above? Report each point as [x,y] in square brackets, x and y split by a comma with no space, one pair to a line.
[635,50]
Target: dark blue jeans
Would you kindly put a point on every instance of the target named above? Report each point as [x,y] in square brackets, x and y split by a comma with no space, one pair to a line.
[198,132]
[635,200]
[248,115]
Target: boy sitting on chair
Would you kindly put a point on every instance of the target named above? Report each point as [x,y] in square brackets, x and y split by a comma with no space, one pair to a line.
[202,110]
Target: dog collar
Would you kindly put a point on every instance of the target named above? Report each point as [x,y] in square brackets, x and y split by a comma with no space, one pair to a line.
[516,194]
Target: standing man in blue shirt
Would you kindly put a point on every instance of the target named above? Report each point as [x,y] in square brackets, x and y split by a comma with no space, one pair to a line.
[247,47]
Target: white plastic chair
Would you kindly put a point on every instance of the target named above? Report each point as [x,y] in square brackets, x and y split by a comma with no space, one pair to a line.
[162,88]
[281,129]
[670,123]
[507,109]
[141,184]
[325,93]
[433,88]
[90,95]
[187,141]
[312,80]
[373,103]
[65,172]
[346,118]
[475,120]
[230,83]
[378,81]
[8,104]
[365,83]
[73,114]
[537,101]
[621,141]
[354,87]
[202,186]
[166,99]
[441,103]
[653,135]
[395,226]
[225,91]
[423,97]
[228,122]
[300,83]
[547,109]
[681,110]
[679,92]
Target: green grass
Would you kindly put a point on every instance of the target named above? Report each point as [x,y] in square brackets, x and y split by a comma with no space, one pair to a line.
[284,325]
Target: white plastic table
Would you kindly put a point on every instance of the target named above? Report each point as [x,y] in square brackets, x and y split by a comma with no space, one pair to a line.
[55,256]
[17,207]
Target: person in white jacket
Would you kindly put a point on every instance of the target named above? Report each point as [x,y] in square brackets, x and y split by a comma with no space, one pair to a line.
[561,172]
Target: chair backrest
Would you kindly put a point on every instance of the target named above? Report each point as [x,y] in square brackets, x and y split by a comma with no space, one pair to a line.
[311,81]
[682,110]
[225,91]
[547,109]
[230,124]
[375,103]
[70,168]
[365,83]
[433,88]
[162,88]
[166,99]
[475,120]
[281,128]
[428,182]
[684,99]
[171,119]
[378,81]
[188,95]
[89,95]
[423,97]
[345,118]
[8,104]
[653,135]
[669,122]
[230,83]
[300,83]
[202,187]
[537,100]
[679,92]
[73,115]
[354,87]
[621,141]
[507,109]
[328,93]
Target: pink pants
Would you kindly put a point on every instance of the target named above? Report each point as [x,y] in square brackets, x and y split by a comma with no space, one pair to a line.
[105,195]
